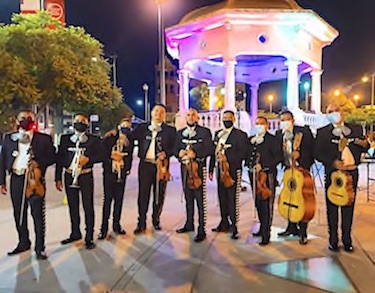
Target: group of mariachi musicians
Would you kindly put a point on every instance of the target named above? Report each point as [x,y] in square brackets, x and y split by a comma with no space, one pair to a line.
[26,154]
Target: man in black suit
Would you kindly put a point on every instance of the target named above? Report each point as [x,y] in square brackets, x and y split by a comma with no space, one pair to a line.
[193,146]
[155,142]
[304,158]
[234,144]
[263,157]
[117,164]
[327,151]
[77,154]
[24,153]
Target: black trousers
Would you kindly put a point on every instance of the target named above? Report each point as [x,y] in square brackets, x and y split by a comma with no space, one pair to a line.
[37,206]
[199,195]
[146,181]
[113,192]
[229,202]
[346,213]
[265,206]
[86,183]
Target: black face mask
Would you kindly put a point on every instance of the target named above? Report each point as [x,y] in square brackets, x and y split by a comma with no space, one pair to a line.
[228,123]
[80,127]
[27,124]
[125,130]
[191,124]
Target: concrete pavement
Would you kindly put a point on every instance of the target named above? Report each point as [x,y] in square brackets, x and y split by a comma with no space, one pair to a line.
[168,262]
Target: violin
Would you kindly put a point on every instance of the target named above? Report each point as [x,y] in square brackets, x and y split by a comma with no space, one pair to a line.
[193,180]
[261,182]
[225,177]
[34,185]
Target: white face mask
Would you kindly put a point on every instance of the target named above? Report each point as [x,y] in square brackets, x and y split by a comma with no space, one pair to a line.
[334,117]
[260,129]
[286,125]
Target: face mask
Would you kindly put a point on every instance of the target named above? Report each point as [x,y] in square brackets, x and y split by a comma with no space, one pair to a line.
[286,125]
[80,127]
[125,130]
[27,124]
[334,117]
[228,123]
[260,129]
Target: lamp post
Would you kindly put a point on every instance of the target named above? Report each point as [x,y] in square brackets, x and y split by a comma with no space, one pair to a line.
[114,69]
[306,86]
[146,88]
[366,79]
[270,100]
[161,43]
[356,98]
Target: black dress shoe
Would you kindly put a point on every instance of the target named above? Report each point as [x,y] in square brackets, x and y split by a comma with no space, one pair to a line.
[199,237]
[18,250]
[333,247]
[287,233]
[139,230]
[264,241]
[41,255]
[184,230]
[302,240]
[120,232]
[157,227]
[349,248]
[90,245]
[102,235]
[235,236]
[220,229]
[70,240]
[257,234]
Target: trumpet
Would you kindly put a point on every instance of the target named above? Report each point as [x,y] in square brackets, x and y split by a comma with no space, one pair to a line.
[117,158]
[77,163]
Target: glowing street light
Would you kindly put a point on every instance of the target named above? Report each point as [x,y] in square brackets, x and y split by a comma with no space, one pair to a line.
[337,92]
[306,86]
[356,98]
[147,105]
[270,100]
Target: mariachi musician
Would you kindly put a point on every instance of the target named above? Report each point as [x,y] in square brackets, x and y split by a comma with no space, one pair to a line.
[117,164]
[303,157]
[263,158]
[77,154]
[193,146]
[231,150]
[155,147]
[327,150]
[26,154]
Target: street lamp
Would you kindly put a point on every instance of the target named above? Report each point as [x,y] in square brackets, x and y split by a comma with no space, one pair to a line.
[161,43]
[366,78]
[306,86]
[356,98]
[337,92]
[147,105]
[270,99]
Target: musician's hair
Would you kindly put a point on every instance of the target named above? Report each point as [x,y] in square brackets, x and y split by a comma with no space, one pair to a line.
[24,110]
[81,114]
[287,112]
[125,119]
[264,118]
[229,111]
[160,105]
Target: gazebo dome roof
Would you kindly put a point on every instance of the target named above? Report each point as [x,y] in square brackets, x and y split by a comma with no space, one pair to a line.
[240,4]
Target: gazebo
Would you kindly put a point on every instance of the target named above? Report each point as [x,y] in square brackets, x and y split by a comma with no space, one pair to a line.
[251,42]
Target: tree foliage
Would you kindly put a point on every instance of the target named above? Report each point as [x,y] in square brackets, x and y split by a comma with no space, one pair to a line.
[42,62]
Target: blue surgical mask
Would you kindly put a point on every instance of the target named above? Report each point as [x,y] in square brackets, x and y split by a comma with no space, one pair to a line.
[260,129]
[125,130]
[334,117]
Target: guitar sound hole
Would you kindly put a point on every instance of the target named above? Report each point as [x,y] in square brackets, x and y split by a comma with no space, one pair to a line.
[292,185]
[339,182]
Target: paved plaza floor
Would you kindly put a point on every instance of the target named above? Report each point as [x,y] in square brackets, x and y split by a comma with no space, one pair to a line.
[164,261]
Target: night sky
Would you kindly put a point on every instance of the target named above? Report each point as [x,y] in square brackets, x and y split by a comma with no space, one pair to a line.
[129,29]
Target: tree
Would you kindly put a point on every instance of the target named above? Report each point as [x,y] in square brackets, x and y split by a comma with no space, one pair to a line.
[61,67]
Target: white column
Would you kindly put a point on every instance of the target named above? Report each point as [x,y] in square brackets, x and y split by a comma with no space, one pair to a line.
[292,100]
[184,90]
[316,92]
[230,84]
[254,88]
[212,103]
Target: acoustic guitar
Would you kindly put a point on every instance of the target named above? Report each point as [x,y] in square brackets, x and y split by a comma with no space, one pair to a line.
[341,191]
[296,202]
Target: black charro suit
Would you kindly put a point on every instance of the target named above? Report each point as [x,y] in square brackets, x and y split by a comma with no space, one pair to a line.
[265,152]
[202,145]
[164,141]
[114,185]
[326,151]
[94,151]
[44,154]
[305,161]
[237,151]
